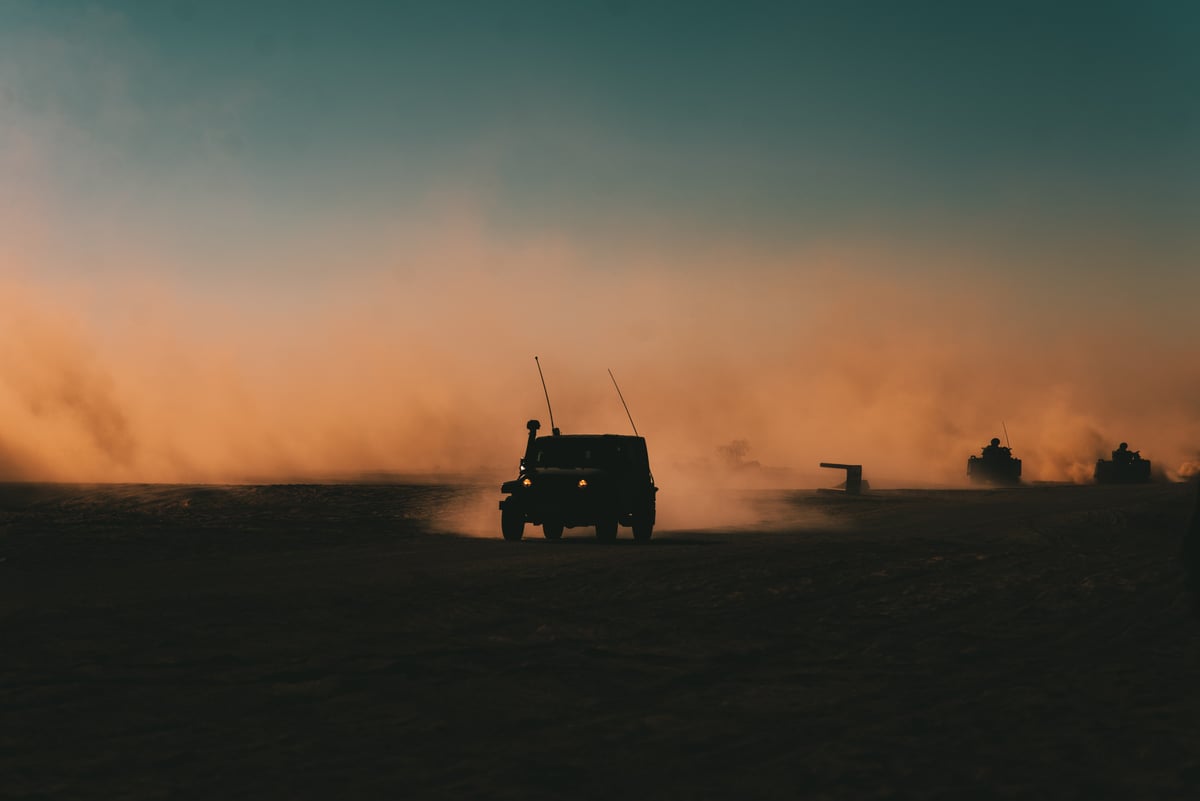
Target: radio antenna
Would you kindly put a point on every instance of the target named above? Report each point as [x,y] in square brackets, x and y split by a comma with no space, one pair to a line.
[1006,442]
[623,403]
[553,428]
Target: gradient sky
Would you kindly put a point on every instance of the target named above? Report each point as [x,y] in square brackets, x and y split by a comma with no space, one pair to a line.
[280,238]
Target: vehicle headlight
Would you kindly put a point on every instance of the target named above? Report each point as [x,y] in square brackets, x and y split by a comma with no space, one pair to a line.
[527,482]
[582,483]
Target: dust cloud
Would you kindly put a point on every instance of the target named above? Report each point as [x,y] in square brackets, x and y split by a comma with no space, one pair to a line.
[414,356]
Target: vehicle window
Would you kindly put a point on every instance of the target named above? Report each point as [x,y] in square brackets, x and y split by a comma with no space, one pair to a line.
[564,453]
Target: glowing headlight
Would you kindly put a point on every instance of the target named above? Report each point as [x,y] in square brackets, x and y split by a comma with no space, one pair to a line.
[582,483]
[527,483]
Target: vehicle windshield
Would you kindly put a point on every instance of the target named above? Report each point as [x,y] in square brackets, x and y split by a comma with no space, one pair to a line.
[582,452]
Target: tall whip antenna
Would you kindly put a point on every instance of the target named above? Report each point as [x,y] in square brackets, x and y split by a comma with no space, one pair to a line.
[623,403]
[553,428]
[1006,442]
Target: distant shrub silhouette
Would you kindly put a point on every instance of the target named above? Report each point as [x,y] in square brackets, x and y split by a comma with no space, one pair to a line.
[734,455]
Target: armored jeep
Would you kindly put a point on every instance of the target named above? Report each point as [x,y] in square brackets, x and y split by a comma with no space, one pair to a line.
[565,481]
[1125,467]
[995,465]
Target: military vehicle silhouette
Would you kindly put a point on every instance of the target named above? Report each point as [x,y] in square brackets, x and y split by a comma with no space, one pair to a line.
[569,480]
[600,480]
[995,465]
[1125,467]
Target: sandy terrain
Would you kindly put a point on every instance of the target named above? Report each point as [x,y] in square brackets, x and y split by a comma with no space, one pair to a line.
[337,641]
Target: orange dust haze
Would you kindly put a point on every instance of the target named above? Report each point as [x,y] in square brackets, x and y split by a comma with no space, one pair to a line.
[416,356]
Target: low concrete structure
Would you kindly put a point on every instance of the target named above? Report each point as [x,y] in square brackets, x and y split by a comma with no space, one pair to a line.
[854,479]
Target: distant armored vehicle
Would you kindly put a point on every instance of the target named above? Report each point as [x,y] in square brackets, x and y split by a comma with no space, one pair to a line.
[600,480]
[1125,467]
[996,465]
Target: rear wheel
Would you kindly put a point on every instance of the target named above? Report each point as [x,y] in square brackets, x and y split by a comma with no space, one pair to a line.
[512,524]
[552,531]
[606,529]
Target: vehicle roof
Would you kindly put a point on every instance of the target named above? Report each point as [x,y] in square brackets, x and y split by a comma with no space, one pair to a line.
[560,437]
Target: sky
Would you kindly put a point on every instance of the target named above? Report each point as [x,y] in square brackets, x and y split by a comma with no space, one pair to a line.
[270,240]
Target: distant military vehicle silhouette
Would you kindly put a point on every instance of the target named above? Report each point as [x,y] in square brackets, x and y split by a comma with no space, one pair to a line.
[564,481]
[995,465]
[1125,467]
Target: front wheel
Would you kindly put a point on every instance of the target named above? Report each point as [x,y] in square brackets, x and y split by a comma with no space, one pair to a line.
[642,529]
[512,524]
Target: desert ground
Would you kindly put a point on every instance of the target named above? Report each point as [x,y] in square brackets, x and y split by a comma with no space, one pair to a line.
[356,641]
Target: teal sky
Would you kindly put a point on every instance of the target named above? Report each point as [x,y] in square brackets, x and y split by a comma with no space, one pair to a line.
[783,121]
[926,216]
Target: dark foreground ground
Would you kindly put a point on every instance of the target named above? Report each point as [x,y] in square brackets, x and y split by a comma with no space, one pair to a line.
[326,642]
